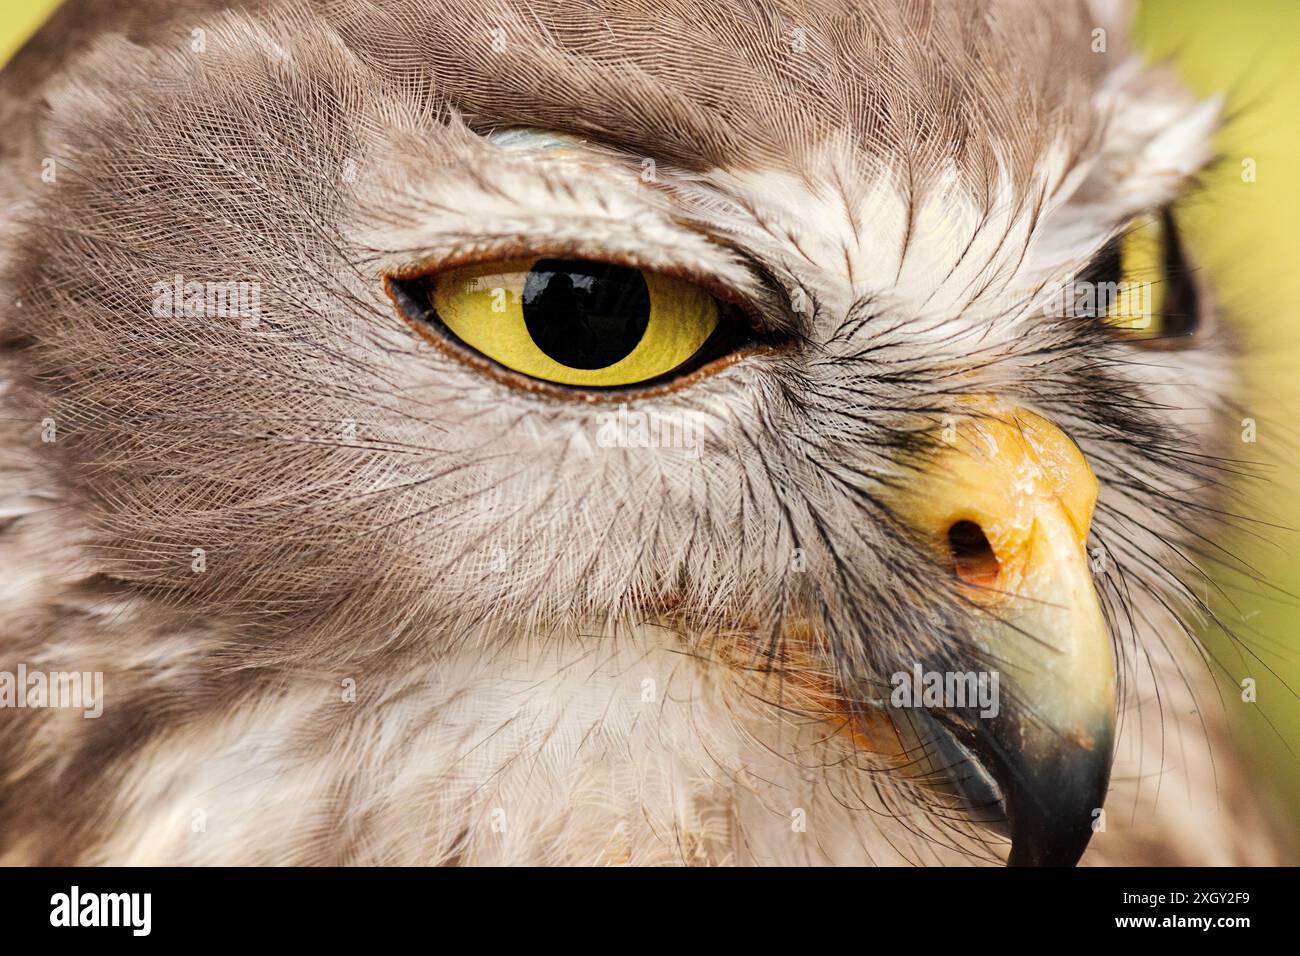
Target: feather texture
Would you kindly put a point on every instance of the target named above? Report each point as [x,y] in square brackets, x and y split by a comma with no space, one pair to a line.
[435,620]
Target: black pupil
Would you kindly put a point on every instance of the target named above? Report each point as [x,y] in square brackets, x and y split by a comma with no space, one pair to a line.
[585,314]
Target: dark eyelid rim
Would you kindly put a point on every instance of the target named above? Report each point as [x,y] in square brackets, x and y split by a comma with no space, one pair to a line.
[518,249]
[405,306]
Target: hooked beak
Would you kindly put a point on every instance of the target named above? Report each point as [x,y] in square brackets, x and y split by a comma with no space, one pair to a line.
[1008,500]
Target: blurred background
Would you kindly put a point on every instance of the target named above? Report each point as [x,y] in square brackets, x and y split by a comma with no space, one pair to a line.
[1244,233]
[18,20]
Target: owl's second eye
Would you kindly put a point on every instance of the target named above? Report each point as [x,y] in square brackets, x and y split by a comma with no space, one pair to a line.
[1141,286]
[575,322]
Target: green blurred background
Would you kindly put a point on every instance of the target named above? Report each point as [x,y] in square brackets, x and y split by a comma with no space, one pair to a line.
[18,18]
[1244,235]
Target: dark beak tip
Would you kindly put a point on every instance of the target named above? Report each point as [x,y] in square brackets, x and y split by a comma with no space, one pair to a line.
[1046,847]
[1053,795]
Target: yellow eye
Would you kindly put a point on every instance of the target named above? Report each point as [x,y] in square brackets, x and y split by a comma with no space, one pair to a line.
[1141,286]
[1139,295]
[575,322]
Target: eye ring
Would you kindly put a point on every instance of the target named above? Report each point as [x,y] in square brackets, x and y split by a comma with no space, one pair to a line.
[508,351]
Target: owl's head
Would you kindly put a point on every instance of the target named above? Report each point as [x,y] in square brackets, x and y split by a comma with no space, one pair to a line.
[843,340]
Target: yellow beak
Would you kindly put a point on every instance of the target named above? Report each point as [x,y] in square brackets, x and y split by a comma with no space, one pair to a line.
[1008,500]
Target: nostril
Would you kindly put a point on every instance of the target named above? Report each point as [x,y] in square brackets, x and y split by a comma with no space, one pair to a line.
[972,555]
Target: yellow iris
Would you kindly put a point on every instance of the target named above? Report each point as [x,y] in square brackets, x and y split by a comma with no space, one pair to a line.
[483,305]
[1137,302]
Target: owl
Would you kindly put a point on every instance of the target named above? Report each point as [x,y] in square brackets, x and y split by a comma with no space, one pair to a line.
[749,432]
